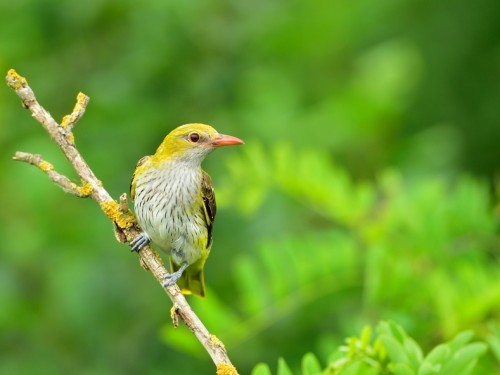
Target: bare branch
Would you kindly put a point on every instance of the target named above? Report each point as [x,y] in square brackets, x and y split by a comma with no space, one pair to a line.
[59,179]
[126,227]
[124,204]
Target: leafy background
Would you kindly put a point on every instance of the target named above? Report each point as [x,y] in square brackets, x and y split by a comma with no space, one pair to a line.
[365,190]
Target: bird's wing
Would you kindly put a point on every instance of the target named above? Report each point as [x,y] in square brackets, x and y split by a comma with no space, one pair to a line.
[138,168]
[209,206]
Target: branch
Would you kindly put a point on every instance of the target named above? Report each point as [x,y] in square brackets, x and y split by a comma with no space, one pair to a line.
[64,182]
[126,227]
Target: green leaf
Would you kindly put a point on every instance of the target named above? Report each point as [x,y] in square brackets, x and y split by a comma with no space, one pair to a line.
[402,369]
[414,352]
[352,346]
[365,337]
[400,347]
[428,368]
[395,350]
[460,340]
[379,349]
[439,354]
[261,369]
[310,365]
[283,368]
[463,359]
[359,368]
[494,340]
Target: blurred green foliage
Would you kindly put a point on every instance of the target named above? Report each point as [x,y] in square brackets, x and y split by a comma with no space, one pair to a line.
[364,191]
[392,352]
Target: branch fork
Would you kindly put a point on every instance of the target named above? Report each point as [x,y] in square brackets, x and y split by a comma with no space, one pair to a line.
[126,227]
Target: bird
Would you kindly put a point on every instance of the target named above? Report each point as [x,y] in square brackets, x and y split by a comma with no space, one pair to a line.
[174,202]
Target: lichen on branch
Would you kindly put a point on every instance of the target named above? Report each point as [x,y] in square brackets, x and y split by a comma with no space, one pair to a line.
[70,120]
[62,181]
[122,219]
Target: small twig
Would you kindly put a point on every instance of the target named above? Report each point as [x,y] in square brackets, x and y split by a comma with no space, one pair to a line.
[59,179]
[124,221]
[124,204]
[70,120]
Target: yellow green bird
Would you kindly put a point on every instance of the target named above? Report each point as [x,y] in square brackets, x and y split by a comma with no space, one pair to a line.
[174,202]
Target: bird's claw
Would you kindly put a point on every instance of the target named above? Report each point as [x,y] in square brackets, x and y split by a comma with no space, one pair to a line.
[171,278]
[139,242]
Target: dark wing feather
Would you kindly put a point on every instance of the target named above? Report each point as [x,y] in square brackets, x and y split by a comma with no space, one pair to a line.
[138,168]
[207,192]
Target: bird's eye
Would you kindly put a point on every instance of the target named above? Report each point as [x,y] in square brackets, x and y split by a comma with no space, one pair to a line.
[194,137]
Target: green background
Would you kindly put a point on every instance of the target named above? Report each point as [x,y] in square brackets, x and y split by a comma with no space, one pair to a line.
[365,189]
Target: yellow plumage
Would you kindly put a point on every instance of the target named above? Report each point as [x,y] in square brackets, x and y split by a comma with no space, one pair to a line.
[175,203]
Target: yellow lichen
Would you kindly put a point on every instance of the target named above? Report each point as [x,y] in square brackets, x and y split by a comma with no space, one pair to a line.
[86,189]
[45,166]
[78,109]
[16,81]
[215,341]
[65,121]
[226,369]
[71,137]
[81,100]
[174,315]
[112,210]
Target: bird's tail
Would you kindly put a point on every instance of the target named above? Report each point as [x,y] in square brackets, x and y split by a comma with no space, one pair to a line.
[192,280]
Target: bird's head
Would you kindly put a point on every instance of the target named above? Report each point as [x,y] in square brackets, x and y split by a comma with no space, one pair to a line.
[192,143]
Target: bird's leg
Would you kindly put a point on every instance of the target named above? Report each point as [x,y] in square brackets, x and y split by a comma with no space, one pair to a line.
[139,242]
[171,278]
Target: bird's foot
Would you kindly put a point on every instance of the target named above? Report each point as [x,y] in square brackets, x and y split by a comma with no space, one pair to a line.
[171,278]
[139,242]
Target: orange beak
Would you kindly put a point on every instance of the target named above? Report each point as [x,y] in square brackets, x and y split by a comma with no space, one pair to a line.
[226,140]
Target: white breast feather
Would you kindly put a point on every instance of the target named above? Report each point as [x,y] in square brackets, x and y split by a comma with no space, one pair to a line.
[165,211]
